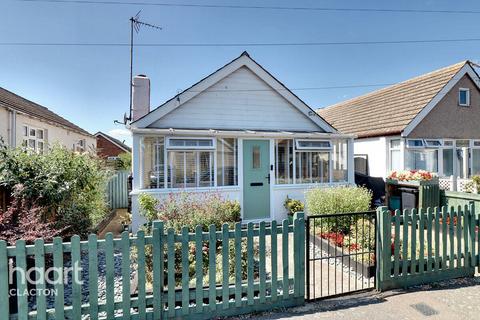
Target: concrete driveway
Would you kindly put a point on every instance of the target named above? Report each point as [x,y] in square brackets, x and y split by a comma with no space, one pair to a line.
[453,299]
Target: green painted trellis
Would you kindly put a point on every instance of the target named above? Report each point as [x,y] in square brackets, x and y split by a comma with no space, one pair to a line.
[418,247]
[277,288]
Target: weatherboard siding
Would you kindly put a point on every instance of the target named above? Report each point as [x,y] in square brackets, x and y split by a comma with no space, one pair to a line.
[248,103]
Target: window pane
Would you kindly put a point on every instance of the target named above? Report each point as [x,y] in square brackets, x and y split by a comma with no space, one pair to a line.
[190,169]
[422,160]
[448,162]
[206,169]
[463,97]
[40,134]
[415,143]
[395,160]
[153,163]
[32,132]
[340,157]
[395,143]
[25,131]
[256,157]
[475,162]
[190,143]
[312,167]
[313,144]
[40,147]
[31,143]
[227,162]
[284,161]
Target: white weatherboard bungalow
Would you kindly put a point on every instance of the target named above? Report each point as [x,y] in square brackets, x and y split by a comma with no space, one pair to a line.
[240,132]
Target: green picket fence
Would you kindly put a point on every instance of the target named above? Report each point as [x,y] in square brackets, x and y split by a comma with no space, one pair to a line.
[426,246]
[117,190]
[271,280]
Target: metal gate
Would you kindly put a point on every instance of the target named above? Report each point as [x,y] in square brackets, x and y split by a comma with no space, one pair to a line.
[340,253]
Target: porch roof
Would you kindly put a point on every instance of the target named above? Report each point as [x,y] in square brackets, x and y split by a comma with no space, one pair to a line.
[241,133]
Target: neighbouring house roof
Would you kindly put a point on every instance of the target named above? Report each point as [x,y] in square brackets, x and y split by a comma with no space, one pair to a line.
[243,60]
[13,101]
[116,142]
[391,110]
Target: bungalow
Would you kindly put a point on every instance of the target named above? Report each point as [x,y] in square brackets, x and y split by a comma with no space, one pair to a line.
[110,148]
[28,124]
[239,132]
[430,122]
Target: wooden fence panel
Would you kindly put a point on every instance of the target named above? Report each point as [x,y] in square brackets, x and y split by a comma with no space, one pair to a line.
[249,279]
[117,190]
[445,248]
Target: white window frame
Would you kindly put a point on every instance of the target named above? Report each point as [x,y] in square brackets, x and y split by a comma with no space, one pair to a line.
[415,147]
[390,149]
[28,137]
[170,147]
[467,90]
[299,147]
[428,143]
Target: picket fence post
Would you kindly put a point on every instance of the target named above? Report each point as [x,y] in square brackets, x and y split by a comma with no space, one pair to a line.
[383,248]
[299,253]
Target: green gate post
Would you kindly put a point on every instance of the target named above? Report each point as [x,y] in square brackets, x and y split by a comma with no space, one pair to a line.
[383,247]
[299,254]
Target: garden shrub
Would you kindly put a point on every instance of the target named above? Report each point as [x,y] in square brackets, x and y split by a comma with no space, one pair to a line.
[293,206]
[338,200]
[70,186]
[189,210]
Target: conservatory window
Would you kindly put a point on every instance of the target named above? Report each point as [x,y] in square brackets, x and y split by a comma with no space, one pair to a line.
[190,169]
[464,97]
[284,161]
[433,143]
[415,143]
[476,158]
[313,144]
[312,166]
[395,154]
[227,163]
[339,161]
[425,159]
[190,143]
[153,163]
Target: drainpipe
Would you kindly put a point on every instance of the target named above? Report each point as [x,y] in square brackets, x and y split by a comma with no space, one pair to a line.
[12,128]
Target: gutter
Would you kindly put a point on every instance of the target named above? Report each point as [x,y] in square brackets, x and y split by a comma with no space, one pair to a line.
[240,133]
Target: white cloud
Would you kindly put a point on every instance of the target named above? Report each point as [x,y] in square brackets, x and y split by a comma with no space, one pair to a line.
[122,135]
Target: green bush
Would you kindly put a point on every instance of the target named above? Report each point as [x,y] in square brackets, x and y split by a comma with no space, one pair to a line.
[70,185]
[189,210]
[293,206]
[338,200]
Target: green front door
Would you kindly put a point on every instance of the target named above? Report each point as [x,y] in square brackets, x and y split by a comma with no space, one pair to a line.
[256,179]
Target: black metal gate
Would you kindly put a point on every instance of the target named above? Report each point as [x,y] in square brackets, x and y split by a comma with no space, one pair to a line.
[340,253]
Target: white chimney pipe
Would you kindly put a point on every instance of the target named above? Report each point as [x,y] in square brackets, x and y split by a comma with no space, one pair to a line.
[140,96]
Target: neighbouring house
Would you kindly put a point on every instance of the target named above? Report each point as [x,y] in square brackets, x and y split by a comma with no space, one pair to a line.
[430,122]
[110,148]
[239,132]
[28,124]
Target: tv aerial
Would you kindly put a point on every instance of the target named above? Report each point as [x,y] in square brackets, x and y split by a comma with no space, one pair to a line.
[135,25]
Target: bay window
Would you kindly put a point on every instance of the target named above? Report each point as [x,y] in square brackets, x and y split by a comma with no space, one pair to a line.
[312,166]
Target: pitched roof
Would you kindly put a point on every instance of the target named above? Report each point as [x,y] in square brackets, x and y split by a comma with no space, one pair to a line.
[13,101]
[243,60]
[119,143]
[389,110]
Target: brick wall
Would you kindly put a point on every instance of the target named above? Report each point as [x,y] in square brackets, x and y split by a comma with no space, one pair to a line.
[105,148]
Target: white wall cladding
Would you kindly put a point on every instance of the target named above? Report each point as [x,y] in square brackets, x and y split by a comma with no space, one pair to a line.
[248,103]
[376,149]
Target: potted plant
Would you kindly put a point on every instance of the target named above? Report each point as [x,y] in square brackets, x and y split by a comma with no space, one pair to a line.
[292,206]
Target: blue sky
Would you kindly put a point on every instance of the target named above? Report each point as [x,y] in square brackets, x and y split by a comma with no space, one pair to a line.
[89,85]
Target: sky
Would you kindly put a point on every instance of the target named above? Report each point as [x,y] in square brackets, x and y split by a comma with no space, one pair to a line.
[89,85]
